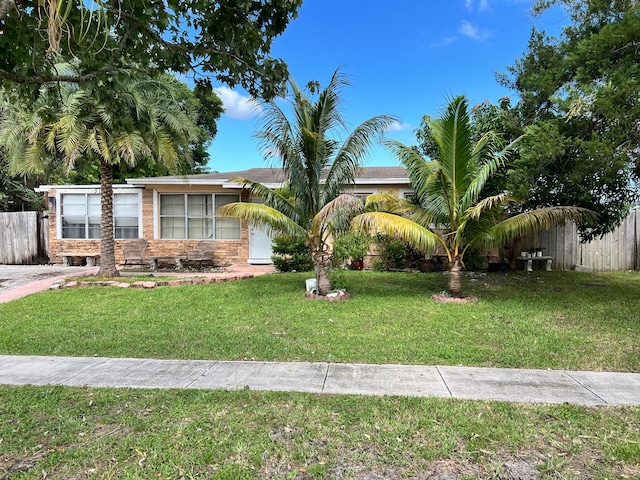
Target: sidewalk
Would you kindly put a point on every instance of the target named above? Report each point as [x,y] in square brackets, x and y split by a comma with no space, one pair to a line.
[511,385]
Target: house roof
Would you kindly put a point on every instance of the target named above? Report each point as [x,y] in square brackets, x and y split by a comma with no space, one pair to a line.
[271,177]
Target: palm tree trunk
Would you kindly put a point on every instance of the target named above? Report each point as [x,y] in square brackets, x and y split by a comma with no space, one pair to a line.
[107,243]
[455,283]
[322,280]
[323,285]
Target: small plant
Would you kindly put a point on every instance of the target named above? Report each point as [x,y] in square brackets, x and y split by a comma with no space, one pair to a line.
[291,255]
[351,247]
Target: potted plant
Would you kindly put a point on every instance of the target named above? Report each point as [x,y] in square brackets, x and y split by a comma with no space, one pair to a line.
[351,247]
[539,251]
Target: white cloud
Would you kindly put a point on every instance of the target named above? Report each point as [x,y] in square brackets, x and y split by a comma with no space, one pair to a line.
[480,6]
[469,30]
[443,42]
[399,127]
[237,106]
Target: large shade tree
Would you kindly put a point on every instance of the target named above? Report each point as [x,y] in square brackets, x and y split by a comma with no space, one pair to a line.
[448,210]
[580,106]
[129,119]
[317,165]
[226,40]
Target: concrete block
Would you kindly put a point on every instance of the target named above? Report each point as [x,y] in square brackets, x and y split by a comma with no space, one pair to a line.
[535,386]
[30,370]
[615,388]
[360,379]
[294,376]
[582,268]
[137,373]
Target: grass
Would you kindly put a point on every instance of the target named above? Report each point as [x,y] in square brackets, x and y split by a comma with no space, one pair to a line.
[539,320]
[558,320]
[55,432]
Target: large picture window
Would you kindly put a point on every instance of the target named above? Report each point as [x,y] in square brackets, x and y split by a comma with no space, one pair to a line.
[192,216]
[80,215]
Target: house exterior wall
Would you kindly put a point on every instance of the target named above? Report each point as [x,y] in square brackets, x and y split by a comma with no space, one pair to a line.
[227,251]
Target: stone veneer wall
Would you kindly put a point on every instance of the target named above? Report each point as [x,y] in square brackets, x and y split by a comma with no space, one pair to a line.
[227,251]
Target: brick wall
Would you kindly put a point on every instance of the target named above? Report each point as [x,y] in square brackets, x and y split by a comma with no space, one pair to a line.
[227,251]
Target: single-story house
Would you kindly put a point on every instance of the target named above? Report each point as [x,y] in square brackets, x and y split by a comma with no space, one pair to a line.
[173,213]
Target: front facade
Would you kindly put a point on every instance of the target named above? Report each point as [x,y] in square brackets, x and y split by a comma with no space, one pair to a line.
[173,214]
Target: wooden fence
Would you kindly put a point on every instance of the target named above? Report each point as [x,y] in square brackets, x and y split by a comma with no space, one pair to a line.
[23,238]
[618,250]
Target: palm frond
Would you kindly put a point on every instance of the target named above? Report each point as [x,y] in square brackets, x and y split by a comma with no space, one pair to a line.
[263,216]
[335,216]
[542,218]
[452,134]
[352,152]
[416,235]
[488,203]
[386,202]
[272,198]
[490,161]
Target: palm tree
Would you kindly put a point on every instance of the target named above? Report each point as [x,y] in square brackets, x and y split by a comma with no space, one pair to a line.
[130,119]
[317,166]
[448,209]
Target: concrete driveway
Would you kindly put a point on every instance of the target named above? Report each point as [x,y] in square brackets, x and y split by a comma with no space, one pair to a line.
[14,278]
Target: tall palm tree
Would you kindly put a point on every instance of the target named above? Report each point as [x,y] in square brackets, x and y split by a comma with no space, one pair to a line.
[448,209]
[317,165]
[120,123]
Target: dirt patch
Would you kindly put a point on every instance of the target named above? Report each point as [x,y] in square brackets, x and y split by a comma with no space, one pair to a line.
[341,295]
[447,299]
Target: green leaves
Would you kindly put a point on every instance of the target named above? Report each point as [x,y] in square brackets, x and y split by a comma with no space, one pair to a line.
[580,92]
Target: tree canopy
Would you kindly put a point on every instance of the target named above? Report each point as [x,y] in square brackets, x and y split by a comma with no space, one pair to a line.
[227,39]
[133,117]
[318,163]
[451,209]
[580,103]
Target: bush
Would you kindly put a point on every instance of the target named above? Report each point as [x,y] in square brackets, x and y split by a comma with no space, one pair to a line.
[291,255]
[395,254]
[350,247]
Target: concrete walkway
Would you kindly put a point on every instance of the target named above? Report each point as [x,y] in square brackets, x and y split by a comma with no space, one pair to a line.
[17,281]
[533,386]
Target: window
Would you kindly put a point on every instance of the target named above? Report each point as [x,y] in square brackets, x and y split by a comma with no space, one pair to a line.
[80,215]
[192,216]
[125,215]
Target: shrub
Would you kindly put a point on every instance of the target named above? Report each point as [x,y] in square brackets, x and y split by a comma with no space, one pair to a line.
[395,254]
[351,246]
[291,255]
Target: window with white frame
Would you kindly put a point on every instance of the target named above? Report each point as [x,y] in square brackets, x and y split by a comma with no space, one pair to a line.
[80,215]
[125,215]
[192,216]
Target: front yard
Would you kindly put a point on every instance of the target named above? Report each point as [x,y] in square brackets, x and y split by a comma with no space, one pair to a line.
[539,320]
[558,320]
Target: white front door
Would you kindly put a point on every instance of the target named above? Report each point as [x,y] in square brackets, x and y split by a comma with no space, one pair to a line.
[259,243]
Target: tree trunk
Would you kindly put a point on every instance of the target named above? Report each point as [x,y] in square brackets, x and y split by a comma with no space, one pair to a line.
[455,283]
[322,280]
[323,285]
[107,243]
[5,7]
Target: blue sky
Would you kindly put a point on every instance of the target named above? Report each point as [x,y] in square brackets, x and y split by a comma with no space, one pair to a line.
[403,57]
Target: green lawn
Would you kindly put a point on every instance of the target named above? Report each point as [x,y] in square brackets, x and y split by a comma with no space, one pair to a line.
[541,320]
[62,433]
[558,320]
